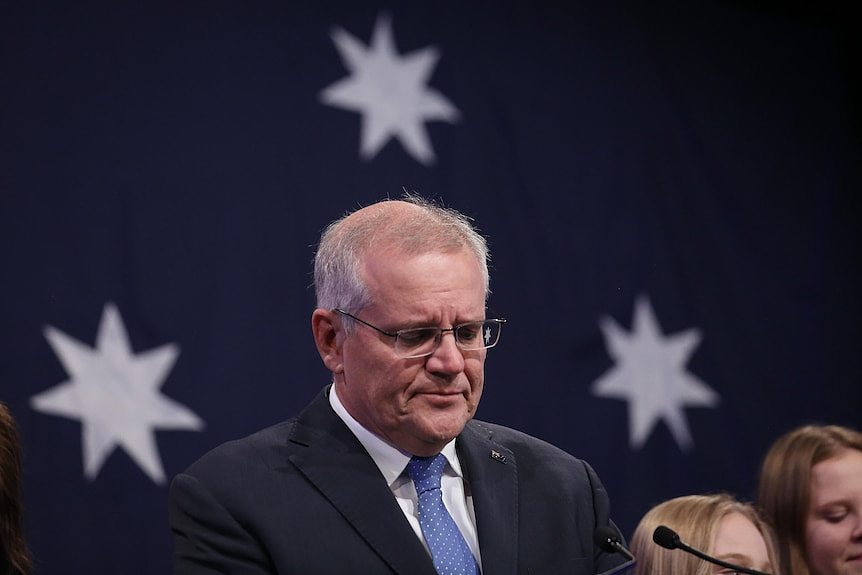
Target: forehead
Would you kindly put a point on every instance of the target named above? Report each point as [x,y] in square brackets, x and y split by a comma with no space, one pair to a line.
[732,529]
[737,535]
[837,476]
[397,278]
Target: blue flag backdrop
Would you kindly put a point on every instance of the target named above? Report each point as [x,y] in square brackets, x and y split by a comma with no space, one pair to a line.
[667,191]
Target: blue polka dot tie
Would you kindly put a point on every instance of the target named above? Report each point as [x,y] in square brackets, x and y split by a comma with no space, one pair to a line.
[449,550]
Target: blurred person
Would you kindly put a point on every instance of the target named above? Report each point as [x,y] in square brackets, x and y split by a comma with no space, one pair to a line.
[717,525]
[811,490]
[386,471]
[14,555]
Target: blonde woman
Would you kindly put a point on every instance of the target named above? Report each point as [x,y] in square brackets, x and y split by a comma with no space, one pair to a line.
[718,525]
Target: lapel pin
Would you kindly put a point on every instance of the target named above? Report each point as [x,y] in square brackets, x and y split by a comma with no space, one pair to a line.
[498,456]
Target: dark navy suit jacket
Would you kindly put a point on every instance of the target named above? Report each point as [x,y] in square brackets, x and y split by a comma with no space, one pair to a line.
[304,497]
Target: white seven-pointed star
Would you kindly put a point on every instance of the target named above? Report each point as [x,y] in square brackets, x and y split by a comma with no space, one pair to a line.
[389,91]
[115,394]
[650,374]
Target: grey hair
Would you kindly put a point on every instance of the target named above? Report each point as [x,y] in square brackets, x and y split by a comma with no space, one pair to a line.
[414,224]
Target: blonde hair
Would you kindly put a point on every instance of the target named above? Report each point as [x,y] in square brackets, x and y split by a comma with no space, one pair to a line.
[695,518]
[784,491]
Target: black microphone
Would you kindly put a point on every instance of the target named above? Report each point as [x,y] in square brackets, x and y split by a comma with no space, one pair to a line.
[607,539]
[668,538]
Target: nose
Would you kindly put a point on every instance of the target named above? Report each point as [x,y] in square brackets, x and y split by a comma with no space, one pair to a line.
[856,534]
[447,360]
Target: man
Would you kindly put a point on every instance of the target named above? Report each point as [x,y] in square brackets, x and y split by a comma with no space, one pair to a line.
[356,483]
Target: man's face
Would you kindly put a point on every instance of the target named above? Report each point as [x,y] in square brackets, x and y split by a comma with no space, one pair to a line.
[417,404]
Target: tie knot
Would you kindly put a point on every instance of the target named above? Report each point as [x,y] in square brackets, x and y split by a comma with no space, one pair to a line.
[426,471]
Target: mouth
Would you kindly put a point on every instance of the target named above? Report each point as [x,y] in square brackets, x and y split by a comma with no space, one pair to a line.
[442,397]
[442,393]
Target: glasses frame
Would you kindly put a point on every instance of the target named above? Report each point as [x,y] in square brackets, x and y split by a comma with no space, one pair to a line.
[437,339]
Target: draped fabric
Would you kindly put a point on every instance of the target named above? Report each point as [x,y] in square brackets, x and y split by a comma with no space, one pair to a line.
[668,192]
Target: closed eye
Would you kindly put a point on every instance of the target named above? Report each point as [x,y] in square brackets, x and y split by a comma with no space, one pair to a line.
[469,332]
[831,514]
[411,337]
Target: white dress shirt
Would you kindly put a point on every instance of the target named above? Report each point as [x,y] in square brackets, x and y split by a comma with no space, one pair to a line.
[392,463]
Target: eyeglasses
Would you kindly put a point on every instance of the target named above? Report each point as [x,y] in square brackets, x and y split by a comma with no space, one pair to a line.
[423,341]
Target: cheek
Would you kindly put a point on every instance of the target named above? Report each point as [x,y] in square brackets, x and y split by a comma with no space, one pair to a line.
[824,543]
[474,369]
[398,380]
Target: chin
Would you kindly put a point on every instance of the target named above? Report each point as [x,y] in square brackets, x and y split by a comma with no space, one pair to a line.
[441,427]
[447,433]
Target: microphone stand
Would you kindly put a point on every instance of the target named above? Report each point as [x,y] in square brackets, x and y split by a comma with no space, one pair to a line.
[607,540]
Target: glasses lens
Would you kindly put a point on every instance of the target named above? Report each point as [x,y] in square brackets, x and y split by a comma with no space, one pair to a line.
[416,342]
[478,334]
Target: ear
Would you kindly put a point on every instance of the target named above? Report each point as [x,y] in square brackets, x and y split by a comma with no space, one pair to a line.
[328,339]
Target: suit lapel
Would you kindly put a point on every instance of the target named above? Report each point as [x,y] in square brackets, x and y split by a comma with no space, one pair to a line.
[337,464]
[493,475]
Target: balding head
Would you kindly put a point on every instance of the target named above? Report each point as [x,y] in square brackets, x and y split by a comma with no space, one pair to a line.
[411,226]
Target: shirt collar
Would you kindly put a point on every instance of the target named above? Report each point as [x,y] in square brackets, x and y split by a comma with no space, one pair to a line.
[389,459]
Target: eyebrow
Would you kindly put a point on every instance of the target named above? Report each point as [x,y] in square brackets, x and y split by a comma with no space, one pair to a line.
[745,561]
[831,506]
[739,558]
[840,501]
